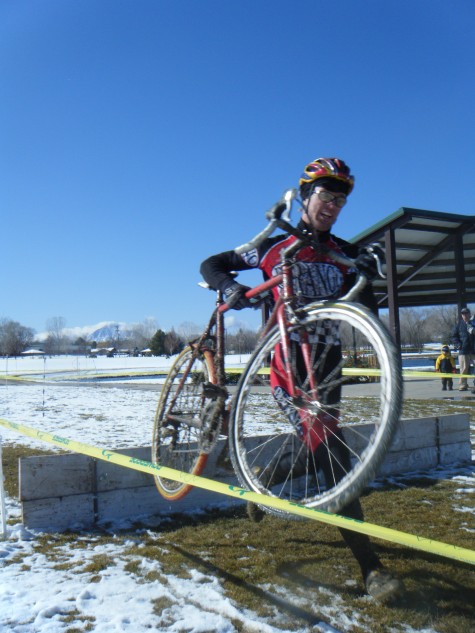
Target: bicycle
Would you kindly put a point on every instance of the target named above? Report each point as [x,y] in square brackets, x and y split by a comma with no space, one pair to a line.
[318,340]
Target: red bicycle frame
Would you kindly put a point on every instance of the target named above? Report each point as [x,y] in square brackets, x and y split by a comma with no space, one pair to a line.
[280,314]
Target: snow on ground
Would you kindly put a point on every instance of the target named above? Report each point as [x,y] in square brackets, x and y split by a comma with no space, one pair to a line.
[108,416]
[82,366]
[54,594]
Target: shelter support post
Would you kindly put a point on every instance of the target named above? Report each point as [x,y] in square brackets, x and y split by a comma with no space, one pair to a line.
[460,272]
[391,274]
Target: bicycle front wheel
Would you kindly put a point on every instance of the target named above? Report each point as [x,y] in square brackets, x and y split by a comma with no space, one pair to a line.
[352,409]
[187,420]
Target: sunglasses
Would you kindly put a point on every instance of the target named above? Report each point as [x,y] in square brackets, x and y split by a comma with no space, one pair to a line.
[326,196]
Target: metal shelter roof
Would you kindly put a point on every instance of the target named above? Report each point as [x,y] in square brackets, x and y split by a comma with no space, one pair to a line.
[430,260]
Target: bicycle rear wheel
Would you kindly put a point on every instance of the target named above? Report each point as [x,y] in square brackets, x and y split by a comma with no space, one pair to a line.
[357,368]
[187,420]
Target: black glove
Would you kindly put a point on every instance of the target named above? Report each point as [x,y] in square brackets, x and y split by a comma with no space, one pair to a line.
[234,296]
[367,261]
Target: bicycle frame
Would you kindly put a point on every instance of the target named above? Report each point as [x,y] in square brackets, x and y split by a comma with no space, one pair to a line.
[283,313]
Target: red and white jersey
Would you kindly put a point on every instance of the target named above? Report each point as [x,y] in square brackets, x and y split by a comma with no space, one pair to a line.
[315,275]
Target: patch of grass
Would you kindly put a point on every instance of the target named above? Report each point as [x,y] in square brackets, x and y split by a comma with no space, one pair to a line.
[74,616]
[415,408]
[160,604]
[98,564]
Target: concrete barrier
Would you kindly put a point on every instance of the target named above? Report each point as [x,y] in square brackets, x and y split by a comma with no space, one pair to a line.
[58,492]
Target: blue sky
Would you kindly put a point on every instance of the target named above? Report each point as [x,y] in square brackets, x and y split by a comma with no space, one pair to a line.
[138,137]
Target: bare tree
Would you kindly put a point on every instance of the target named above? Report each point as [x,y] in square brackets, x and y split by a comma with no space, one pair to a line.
[140,334]
[14,337]
[243,341]
[172,343]
[414,329]
[56,340]
[441,321]
[189,330]
[426,325]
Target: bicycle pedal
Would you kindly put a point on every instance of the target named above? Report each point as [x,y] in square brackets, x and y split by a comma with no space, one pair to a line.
[212,391]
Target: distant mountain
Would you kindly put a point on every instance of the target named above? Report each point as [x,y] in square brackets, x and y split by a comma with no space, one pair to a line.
[109,332]
[104,331]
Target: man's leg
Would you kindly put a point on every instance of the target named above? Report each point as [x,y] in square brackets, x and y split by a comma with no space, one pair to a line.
[379,583]
[464,363]
[334,461]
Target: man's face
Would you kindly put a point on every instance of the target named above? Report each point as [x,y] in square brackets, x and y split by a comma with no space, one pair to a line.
[465,316]
[321,214]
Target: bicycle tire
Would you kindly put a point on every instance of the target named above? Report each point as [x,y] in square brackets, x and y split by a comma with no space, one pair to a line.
[183,420]
[256,460]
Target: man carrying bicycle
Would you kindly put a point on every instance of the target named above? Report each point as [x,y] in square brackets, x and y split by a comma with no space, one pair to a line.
[324,187]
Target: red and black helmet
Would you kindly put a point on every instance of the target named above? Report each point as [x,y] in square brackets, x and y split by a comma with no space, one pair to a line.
[327,168]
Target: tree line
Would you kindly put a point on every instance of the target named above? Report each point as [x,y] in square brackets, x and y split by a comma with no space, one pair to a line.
[418,326]
[15,338]
[426,325]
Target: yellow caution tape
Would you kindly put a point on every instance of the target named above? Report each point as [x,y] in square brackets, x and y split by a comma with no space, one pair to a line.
[428,374]
[402,538]
[18,378]
[347,371]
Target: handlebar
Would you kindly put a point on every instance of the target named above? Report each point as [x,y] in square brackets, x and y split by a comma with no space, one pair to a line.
[279,212]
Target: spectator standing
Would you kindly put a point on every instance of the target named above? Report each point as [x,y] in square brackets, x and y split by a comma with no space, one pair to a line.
[445,364]
[463,338]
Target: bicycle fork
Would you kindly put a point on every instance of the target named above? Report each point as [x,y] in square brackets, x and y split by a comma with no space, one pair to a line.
[302,406]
